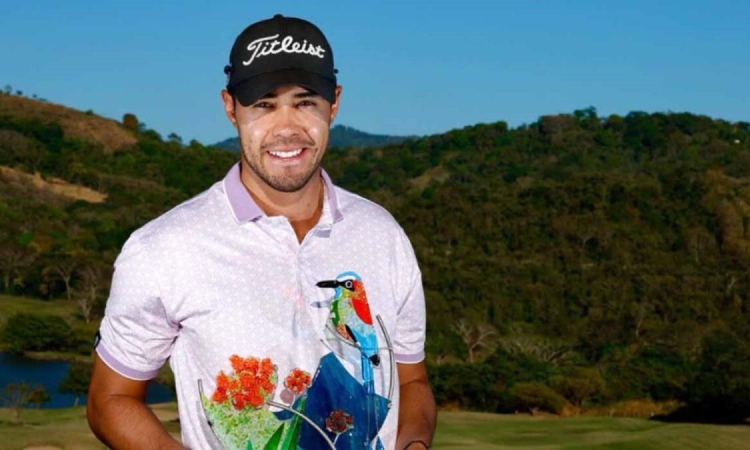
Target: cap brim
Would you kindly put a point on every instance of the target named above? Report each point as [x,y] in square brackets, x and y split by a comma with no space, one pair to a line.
[249,91]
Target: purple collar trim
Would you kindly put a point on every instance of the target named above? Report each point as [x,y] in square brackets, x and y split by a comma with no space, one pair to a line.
[244,207]
[333,200]
[246,210]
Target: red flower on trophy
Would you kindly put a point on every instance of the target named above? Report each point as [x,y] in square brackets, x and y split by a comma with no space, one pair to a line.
[339,422]
[250,385]
[297,381]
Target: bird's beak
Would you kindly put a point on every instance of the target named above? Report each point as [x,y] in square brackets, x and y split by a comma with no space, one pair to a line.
[328,284]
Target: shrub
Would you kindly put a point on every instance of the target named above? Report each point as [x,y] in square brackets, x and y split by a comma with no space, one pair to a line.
[19,396]
[535,396]
[33,332]
[580,385]
[469,386]
[654,372]
[77,380]
[720,393]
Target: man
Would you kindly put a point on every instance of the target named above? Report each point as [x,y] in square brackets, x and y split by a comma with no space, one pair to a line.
[291,311]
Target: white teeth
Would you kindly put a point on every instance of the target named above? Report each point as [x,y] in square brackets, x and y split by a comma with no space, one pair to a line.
[290,154]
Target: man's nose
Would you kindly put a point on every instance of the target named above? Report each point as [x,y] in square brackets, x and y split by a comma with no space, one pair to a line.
[287,121]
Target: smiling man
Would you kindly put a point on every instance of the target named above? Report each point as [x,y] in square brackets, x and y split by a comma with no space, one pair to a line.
[291,311]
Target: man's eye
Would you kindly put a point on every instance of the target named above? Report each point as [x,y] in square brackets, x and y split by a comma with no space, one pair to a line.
[263,105]
[307,103]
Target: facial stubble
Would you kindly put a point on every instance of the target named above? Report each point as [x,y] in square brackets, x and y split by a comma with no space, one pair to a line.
[287,182]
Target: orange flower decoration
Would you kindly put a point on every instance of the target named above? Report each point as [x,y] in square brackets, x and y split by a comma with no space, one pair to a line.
[250,385]
[297,381]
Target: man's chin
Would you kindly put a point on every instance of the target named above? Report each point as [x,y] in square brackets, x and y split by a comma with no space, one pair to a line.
[289,185]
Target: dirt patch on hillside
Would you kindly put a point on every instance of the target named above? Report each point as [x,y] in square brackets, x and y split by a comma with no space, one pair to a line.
[55,185]
[75,124]
[438,174]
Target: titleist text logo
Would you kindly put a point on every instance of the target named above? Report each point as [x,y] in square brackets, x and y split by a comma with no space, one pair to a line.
[270,45]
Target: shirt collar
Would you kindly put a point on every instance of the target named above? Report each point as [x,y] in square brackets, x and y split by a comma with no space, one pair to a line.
[246,210]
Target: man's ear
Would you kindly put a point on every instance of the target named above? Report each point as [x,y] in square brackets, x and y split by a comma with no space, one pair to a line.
[335,106]
[228,101]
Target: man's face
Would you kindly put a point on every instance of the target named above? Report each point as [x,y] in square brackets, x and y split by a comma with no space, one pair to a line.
[283,136]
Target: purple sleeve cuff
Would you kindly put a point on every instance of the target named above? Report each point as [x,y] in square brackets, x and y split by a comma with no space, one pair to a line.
[410,359]
[121,368]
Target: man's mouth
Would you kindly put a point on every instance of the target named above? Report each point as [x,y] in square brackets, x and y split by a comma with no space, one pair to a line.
[286,153]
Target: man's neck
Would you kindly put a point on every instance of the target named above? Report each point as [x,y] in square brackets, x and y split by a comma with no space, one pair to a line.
[302,208]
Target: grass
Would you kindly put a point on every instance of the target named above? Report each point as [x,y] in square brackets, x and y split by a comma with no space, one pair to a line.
[465,430]
[59,428]
[67,429]
[10,305]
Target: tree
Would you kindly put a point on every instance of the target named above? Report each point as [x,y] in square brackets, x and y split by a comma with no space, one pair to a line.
[18,396]
[130,121]
[580,385]
[475,336]
[537,347]
[721,390]
[64,269]
[20,151]
[13,258]
[92,283]
[77,380]
[174,137]
[32,332]
[39,397]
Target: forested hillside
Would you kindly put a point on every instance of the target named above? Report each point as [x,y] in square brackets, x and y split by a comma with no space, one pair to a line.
[340,136]
[573,262]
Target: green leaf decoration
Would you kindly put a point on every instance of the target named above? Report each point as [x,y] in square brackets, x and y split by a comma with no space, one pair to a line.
[249,445]
[273,443]
[295,427]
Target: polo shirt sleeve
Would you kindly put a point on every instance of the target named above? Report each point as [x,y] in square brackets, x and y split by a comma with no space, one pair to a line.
[409,336]
[136,333]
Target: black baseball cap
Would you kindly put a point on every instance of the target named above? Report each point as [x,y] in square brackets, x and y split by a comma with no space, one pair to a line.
[278,52]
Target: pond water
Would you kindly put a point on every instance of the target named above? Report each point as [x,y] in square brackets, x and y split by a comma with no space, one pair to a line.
[14,369]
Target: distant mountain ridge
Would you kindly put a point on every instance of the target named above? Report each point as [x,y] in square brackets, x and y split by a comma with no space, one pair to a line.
[341,136]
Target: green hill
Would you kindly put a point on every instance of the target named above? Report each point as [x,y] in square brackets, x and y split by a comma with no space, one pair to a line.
[572,262]
[341,136]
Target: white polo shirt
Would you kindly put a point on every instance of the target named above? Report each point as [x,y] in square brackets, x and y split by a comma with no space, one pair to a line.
[230,297]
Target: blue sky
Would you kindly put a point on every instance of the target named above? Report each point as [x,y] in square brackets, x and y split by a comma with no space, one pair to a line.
[407,66]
